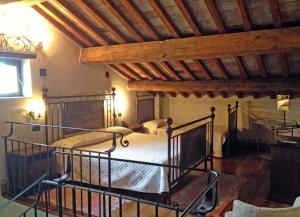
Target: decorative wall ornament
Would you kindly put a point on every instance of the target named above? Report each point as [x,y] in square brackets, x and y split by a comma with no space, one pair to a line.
[13,43]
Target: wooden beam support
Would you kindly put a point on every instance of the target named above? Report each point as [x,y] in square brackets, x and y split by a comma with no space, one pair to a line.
[122,19]
[75,18]
[203,69]
[183,67]
[169,69]
[203,47]
[47,10]
[182,6]
[154,69]
[137,15]
[120,72]
[255,85]
[160,11]
[102,20]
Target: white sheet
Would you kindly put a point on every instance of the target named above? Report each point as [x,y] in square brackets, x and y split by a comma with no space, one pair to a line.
[137,177]
[220,135]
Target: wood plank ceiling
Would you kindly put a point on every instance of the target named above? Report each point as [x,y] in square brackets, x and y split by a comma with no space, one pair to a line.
[92,23]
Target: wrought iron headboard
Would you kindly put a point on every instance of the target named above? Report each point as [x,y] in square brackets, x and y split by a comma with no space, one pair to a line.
[80,111]
[232,127]
[145,106]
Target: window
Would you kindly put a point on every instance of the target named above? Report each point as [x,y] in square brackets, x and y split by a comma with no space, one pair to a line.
[10,78]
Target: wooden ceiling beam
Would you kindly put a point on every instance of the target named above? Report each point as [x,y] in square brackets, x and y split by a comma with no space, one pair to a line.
[222,29]
[230,85]
[241,67]
[182,6]
[210,4]
[120,71]
[203,47]
[60,27]
[22,2]
[153,68]
[102,20]
[183,67]
[129,71]
[46,9]
[168,68]
[76,19]
[202,69]
[275,11]
[138,67]
[139,18]
[242,8]
[162,14]
[122,19]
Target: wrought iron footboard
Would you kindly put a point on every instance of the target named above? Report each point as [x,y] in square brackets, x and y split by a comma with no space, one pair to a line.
[189,145]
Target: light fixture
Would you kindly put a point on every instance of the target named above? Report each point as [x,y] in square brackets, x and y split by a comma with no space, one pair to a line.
[13,43]
[35,109]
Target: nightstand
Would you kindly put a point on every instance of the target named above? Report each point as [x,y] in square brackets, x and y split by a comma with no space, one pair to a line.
[139,128]
[27,165]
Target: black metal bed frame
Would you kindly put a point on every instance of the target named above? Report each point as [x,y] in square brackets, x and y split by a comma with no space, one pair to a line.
[232,129]
[186,149]
[203,203]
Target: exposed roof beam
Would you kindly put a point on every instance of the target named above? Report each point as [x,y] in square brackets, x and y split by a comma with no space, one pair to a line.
[137,15]
[203,47]
[247,27]
[60,27]
[129,71]
[275,11]
[75,18]
[255,85]
[160,11]
[182,6]
[120,71]
[102,20]
[168,68]
[138,67]
[45,8]
[123,19]
[183,67]
[153,68]
[244,14]
[21,2]
[202,69]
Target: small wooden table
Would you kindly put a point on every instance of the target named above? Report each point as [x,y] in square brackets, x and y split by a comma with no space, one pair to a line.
[26,165]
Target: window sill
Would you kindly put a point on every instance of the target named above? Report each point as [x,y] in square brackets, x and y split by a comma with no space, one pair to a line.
[13,97]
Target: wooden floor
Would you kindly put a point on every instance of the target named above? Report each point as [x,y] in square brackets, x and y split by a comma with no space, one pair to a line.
[257,169]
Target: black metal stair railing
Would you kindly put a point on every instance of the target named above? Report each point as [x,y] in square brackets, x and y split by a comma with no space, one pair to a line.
[203,203]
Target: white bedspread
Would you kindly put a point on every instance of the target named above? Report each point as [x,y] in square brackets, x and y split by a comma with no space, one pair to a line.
[137,177]
[220,135]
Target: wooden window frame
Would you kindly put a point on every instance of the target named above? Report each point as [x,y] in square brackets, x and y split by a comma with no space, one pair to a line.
[18,64]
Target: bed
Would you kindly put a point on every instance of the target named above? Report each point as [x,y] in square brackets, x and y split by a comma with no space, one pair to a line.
[97,162]
[225,137]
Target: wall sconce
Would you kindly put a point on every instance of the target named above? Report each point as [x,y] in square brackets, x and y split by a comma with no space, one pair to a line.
[35,109]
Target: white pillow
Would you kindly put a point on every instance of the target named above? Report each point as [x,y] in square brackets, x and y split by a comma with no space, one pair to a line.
[151,126]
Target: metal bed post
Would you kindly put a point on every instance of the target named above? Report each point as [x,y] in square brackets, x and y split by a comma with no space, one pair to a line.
[169,133]
[45,98]
[212,109]
[113,101]
[228,133]
[236,120]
